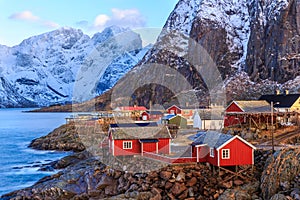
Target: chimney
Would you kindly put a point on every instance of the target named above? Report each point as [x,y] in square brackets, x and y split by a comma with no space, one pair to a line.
[287,92]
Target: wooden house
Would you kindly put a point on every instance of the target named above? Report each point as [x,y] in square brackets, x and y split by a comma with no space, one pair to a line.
[284,102]
[175,110]
[208,120]
[238,112]
[137,138]
[221,149]
[177,120]
[151,115]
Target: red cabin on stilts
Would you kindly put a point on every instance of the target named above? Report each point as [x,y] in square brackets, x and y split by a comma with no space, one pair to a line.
[137,138]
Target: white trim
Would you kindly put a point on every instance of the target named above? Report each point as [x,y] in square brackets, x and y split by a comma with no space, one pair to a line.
[142,149]
[212,152]
[197,154]
[129,142]
[233,138]
[200,145]
[169,145]
[156,147]
[168,133]
[222,154]
[218,158]
[175,106]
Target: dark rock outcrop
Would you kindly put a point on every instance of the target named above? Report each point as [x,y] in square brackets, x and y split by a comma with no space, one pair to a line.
[64,138]
[274,44]
[281,174]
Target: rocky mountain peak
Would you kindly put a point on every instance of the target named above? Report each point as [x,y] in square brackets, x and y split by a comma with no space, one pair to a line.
[108,33]
[261,38]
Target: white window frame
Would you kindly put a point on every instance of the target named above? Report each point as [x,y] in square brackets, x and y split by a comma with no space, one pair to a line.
[212,152]
[127,144]
[225,154]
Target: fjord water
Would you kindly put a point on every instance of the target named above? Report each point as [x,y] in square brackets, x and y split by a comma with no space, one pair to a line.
[19,164]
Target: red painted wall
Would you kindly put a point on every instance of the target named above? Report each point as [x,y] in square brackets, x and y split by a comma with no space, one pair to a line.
[233,108]
[240,154]
[203,153]
[231,120]
[164,146]
[213,160]
[149,147]
[174,109]
[119,151]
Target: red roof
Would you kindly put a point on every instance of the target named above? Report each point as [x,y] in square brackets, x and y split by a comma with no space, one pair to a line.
[132,108]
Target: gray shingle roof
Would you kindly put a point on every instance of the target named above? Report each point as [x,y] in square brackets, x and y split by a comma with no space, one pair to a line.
[254,106]
[139,132]
[212,138]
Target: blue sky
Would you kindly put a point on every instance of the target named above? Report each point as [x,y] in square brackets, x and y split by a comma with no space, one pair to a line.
[20,19]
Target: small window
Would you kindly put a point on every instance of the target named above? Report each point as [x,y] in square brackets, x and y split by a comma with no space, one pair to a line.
[127,145]
[212,152]
[226,154]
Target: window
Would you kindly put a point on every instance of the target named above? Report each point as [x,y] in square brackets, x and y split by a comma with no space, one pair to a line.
[212,152]
[127,145]
[225,153]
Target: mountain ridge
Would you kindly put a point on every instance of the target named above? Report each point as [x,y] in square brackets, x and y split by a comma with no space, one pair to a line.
[43,69]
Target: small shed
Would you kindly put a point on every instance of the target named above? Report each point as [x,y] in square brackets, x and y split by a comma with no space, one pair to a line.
[222,149]
[177,120]
[137,138]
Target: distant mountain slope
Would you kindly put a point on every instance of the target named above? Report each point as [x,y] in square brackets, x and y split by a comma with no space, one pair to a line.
[43,69]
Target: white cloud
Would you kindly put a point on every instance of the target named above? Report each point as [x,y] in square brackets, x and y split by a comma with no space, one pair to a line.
[101,20]
[129,18]
[25,15]
[30,17]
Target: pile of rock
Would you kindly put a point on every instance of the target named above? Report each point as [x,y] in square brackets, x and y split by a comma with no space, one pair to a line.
[91,179]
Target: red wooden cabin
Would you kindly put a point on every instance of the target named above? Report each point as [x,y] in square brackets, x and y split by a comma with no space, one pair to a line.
[222,149]
[236,108]
[151,115]
[136,138]
[174,110]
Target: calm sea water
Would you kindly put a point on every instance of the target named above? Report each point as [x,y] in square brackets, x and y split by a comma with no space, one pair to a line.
[18,163]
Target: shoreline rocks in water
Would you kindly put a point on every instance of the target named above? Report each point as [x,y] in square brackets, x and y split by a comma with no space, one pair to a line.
[64,138]
[83,174]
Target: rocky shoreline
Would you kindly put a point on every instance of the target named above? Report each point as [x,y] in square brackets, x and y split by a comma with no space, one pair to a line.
[84,175]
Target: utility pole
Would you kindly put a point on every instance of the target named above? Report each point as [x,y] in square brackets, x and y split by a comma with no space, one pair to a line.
[272,128]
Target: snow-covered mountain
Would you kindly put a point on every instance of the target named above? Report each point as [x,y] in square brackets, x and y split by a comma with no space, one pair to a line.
[48,69]
[253,44]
